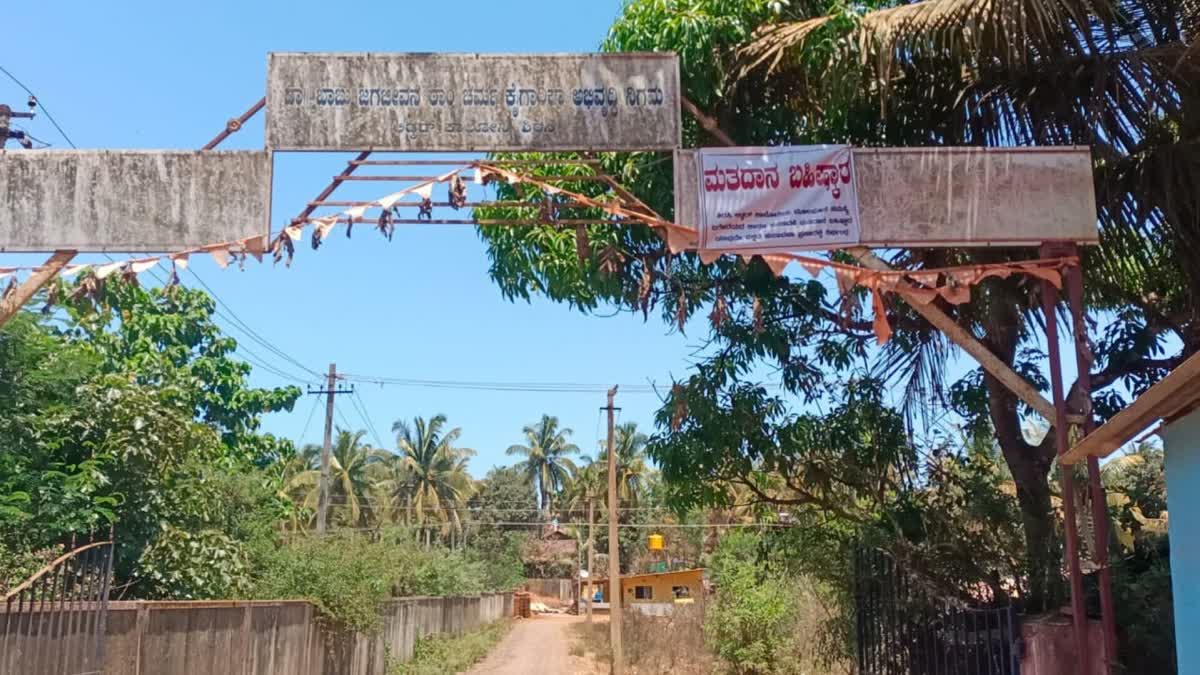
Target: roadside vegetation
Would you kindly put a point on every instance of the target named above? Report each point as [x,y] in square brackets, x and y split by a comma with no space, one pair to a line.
[443,655]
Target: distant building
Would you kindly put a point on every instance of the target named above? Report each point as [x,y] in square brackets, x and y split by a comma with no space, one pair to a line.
[656,593]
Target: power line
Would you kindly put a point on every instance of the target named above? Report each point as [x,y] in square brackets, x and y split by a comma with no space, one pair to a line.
[307,422]
[41,105]
[250,331]
[478,385]
[361,406]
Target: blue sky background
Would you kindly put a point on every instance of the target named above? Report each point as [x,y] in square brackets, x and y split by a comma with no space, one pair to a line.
[168,75]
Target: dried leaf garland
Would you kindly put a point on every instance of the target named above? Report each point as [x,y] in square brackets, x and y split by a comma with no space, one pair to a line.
[759,323]
[583,247]
[129,276]
[425,210]
[10,288]
[611,260]
[681,310]
[681,408]
[385,225]
[52,297]
[719,313]
[645,286]
[458,193]
[283,246]
[89,288]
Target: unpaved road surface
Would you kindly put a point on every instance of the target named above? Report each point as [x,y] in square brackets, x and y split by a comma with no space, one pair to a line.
[537,646]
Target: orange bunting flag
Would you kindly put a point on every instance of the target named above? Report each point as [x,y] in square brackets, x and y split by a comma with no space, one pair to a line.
[1044,273]
[883,330]
[929,279]
[255,246]
[70,270]
[677,240]
[814,268]
[847,279]
[180,260]
[921,296]
[777,263]
[221,255]
[294,232]
[708,256]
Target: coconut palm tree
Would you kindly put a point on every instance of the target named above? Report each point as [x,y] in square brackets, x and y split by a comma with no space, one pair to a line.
[350,478]
[546,459]
[430,475]
[632,470]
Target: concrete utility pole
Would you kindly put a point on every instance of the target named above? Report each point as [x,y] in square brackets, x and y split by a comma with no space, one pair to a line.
[329,391]
[614,548]
[591,565]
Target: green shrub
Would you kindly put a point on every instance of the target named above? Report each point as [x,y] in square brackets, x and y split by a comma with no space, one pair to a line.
[438,655]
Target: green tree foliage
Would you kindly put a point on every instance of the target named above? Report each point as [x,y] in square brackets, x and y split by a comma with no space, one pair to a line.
[128,409]
[547,462]
[430,476]
[1120,76]
[350,478]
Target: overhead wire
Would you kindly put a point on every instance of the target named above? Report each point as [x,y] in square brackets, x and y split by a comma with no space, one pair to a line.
[308,421]
[245,327]
[361,406]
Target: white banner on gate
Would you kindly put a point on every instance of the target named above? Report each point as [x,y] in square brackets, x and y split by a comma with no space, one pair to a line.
[777,198]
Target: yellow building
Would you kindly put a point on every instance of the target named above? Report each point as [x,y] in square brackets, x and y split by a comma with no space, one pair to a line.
[679,587]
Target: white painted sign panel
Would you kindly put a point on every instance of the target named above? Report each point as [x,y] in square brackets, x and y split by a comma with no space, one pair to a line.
[951,196]
[131,200]
[472,102]
[777,198]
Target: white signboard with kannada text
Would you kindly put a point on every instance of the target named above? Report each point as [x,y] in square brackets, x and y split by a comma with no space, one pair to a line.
[472,102]
[777,198]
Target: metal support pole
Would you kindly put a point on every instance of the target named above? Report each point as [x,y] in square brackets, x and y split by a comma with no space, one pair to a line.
[323,495]
[1078,611]
[21,295]
[614,549]
[234,125]
[1083,360]
[591,559]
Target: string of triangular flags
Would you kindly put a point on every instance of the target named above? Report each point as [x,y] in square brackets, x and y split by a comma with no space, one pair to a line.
[920,286]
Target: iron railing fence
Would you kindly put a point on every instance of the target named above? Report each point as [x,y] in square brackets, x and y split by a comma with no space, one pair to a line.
[54,623]
[902,630]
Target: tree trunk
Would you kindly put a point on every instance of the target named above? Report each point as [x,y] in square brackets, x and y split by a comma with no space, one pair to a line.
[1029,464]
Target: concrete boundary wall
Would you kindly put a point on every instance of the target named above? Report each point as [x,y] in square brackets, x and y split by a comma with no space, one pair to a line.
[271,637]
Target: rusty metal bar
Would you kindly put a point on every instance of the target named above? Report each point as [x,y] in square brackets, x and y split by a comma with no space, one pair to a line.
[235,125]
[1061,427]
[333,185]
[467,205]
[398,179]
[455,162]
[468,221]
[1083,361]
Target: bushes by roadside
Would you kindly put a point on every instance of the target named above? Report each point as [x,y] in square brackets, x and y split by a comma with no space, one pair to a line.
[439,655]
[347,575]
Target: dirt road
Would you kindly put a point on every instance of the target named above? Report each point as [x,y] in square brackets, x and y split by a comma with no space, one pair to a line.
[538,646]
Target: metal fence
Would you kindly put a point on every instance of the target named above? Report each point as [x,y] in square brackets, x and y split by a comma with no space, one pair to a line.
[54,622]
[902,630]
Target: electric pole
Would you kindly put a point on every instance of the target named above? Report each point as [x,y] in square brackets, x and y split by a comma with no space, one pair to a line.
[329,391]
[614,548]
[6,117]
[591,565]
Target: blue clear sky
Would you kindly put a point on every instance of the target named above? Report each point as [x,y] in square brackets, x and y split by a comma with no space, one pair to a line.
[168,75]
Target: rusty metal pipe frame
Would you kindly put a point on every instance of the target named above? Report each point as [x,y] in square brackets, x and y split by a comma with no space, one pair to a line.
[1083,361]
[235,125]
[1061,427]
